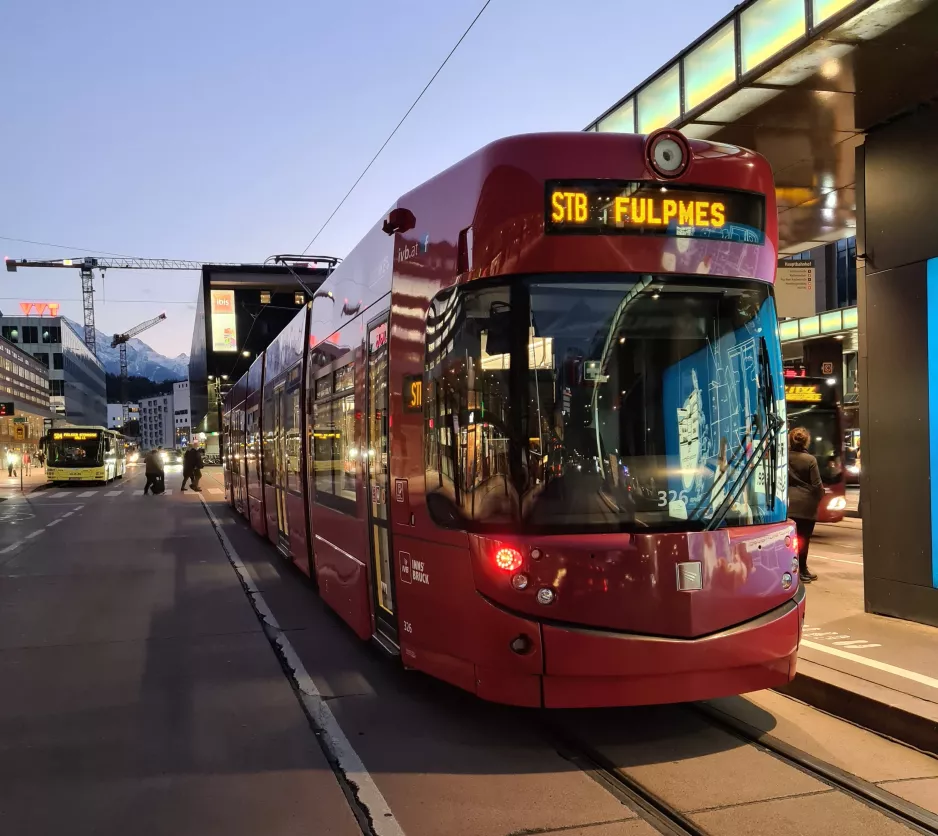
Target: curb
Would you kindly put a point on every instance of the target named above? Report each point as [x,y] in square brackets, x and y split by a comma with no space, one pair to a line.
[888,720]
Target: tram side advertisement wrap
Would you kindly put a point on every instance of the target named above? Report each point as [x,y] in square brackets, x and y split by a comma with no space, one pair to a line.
[618,207]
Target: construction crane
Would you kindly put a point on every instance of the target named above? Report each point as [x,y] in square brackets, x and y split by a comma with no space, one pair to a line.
[120,340]
[88,264]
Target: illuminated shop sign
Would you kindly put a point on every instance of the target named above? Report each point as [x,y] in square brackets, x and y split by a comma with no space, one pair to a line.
[615,207]
[803,393]
[224,321]
[39,308]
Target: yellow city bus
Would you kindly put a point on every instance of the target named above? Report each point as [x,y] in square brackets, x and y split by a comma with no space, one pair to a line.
[85,454]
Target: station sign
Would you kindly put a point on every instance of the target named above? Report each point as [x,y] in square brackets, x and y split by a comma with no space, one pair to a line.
[619,207]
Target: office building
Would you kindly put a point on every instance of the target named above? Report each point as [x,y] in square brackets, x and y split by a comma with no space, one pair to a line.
[239,311]
[157,425]
[183,425]
[76,377]
[24,383]
[115,414]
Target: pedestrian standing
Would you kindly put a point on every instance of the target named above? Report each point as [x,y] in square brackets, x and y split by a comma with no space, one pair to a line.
[27,463]
[11,463]
[805,491]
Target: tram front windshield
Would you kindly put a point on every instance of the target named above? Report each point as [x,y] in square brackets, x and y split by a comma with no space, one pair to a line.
[594,403]
[75,449]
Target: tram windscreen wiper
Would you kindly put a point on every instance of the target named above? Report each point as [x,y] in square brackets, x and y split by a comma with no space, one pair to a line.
[767,442]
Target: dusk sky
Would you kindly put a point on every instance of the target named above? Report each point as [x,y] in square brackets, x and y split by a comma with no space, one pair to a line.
[228,131]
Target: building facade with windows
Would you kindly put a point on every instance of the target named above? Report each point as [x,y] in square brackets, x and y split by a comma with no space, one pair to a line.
[157,424]
[115,414]
[181,413]
[76,378]
[24,383]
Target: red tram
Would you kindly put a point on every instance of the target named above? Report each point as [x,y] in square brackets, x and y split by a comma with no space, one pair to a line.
[528,435]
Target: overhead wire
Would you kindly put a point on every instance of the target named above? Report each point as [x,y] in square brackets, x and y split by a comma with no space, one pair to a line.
[396,127]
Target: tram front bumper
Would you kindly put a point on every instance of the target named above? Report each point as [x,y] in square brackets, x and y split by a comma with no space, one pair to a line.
[590,668]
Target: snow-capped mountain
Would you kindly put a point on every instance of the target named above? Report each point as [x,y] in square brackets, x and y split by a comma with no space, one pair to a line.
[142,361]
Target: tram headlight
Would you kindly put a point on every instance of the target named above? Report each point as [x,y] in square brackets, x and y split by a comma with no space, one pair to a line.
[508,559]
[667,153]
[519,581]
[838,503]
[786,581]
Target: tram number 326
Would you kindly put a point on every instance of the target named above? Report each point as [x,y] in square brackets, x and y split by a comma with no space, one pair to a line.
[664,497]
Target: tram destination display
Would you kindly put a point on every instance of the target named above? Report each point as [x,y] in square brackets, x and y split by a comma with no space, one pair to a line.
[621,207]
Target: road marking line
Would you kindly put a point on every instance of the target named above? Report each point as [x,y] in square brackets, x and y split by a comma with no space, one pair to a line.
[331,735]
[215,490]
[168,492]
[59,495]
[54,522]
[113,493]
[872,663]
[34,534]
[138,492]
[812,555]
[86,493]
[11,547]
[67,514]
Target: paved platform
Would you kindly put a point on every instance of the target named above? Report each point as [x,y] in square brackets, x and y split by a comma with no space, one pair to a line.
[138,692]
[877,671]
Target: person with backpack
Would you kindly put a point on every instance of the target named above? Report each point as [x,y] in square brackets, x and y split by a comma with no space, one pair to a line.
[805,491]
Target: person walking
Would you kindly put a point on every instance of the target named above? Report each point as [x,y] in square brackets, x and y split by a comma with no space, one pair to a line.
[192,468]
[153,464]
[27,463]
[11,463]
[805,491]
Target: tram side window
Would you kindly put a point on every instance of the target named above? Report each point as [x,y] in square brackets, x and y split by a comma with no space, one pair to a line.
[335,448]
[291,427]
[267,438]
[253,441]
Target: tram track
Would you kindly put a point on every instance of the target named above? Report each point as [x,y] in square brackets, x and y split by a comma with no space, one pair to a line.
[664,816]
[921,820]
[656,811]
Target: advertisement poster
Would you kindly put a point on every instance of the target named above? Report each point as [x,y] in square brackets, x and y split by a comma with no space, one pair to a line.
[224,327]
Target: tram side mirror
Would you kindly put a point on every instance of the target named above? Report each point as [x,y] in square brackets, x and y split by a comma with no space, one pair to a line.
[444,511]
[499,332]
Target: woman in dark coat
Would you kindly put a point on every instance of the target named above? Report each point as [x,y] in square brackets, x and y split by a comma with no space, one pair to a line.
[805,491]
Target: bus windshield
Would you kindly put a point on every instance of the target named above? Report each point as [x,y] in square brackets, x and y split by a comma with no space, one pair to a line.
[81,448]
[596,403]
[826,438]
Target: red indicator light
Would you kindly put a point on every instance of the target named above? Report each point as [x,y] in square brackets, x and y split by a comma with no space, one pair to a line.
[794,543]
[508,560]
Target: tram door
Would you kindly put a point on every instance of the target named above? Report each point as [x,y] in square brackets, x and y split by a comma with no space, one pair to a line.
[280,467]
[378,469]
